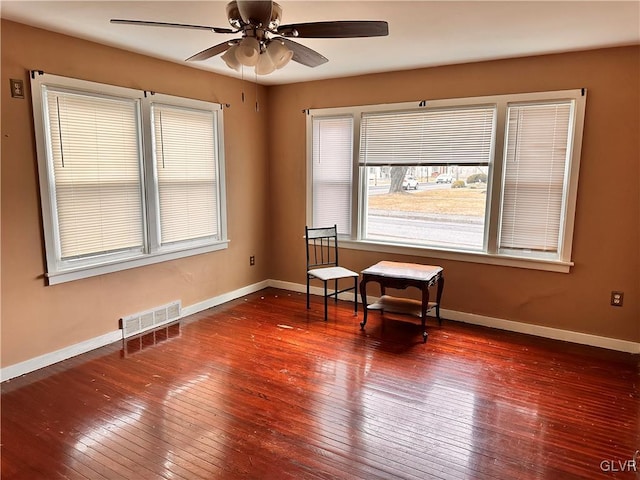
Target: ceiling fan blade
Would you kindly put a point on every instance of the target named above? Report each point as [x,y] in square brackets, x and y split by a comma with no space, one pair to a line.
[255,12]
[211,51]
[174,25]
[337,29]
[304,55]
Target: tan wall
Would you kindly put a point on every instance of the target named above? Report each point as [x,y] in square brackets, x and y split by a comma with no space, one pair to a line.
[39,319]
[266,215]
[606,247]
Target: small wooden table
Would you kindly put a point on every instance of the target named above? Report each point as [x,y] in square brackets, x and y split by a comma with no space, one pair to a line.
[400,276]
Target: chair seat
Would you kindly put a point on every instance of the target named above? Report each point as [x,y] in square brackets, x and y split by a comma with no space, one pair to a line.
[332,273]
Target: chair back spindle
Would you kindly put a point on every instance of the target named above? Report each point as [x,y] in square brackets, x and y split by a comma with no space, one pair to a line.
[322,247]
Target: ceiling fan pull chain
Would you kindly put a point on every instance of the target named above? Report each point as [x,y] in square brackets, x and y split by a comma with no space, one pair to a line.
[256,85]
[242,78]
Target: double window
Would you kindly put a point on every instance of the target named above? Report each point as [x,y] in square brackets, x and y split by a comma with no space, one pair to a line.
[127,178]
[490,179]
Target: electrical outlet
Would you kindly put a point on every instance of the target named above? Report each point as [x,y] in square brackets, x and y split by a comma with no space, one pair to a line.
[17,88]
[617,298]
[252,260]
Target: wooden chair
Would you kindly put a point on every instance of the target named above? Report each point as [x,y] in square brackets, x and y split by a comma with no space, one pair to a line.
[322,264]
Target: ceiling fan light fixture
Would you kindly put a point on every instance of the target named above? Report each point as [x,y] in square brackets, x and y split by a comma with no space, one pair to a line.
[231,59]
[248,51]
[278,52]
[265,65]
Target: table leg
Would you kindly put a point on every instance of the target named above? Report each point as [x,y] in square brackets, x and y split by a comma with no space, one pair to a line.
[439,297]
[363,294]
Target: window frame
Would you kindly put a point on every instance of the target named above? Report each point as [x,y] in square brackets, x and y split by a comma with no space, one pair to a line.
[153,190]
[60,270]
[312,169]
[490,254]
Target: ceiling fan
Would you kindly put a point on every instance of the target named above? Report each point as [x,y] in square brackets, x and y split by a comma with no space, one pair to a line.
[264,43]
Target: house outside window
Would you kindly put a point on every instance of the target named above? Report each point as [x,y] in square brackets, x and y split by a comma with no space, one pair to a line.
[127,178]
[487,179]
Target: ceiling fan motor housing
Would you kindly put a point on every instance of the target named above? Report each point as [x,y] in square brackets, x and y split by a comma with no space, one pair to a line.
[236,20]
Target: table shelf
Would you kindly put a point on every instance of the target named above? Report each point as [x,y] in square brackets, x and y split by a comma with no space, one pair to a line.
[403,306]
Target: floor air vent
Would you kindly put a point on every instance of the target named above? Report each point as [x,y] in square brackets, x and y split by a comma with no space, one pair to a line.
[143,321]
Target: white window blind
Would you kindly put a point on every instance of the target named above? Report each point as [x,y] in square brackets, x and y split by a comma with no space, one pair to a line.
[96,165]
[332,164]
[460,136]
[536,156]
[185,154]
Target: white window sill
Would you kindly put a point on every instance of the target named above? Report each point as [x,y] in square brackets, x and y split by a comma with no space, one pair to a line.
[140,260]
[473,257]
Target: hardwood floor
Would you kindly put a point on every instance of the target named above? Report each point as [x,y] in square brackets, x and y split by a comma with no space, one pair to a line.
[262,388]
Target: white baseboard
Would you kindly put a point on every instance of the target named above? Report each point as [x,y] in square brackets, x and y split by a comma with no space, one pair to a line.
[314,290]
[499,323]
[541,331]
[225,297]
[47,359]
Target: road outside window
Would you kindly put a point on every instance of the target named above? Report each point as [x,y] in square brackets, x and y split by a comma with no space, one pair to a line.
[449,213]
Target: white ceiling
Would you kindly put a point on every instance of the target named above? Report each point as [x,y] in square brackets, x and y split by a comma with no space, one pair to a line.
[421,33]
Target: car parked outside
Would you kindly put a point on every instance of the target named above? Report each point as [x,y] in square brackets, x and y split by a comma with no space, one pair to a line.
[409,183]
[444,178]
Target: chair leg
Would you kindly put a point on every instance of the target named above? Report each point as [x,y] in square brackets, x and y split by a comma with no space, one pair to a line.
[325,300]
[308,292]
[335,291]
[355,296]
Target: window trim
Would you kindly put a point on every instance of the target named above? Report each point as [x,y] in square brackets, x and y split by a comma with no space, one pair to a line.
[490,255]
[60,271]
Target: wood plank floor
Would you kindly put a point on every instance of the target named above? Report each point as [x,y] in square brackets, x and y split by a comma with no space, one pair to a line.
[262,388]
